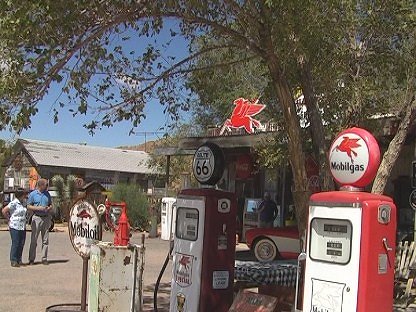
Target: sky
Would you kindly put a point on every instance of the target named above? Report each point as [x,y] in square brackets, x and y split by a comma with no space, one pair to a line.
[70,129]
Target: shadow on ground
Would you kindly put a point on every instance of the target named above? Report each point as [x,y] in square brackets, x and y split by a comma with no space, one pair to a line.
[163,297]
[244,255]
[49,262]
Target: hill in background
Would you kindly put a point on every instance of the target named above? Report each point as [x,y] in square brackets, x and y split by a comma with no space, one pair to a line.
[148,147]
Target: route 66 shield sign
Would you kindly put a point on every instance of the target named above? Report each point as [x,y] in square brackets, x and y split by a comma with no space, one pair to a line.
[208,164]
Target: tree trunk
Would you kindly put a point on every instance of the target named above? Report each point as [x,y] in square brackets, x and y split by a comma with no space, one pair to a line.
[317,129]
[393,151]
[296,153]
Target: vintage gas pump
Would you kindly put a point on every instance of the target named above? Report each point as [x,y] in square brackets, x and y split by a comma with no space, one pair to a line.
[204,244]
[350,250]
[119,223]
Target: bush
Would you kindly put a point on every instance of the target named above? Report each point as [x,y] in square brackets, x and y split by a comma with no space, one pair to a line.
[136,202]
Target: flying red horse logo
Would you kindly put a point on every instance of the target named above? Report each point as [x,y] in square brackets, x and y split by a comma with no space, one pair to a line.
[83,214]
[184,262]
[347,145]
[242,114]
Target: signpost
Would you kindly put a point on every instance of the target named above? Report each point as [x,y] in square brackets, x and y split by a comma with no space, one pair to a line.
[84,229]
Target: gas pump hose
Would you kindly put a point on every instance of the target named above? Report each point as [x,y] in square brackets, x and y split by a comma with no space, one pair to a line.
[162,271]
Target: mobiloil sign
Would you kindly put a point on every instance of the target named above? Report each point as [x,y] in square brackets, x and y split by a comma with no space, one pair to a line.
[351,234]
[84,227]
[79,229]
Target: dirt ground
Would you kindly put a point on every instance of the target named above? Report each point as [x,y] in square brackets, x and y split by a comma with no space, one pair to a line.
[35,288]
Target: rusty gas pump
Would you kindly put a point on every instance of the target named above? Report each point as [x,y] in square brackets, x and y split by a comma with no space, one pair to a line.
[122,227]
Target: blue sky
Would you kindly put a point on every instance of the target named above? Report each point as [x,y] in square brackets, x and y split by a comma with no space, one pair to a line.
[70,129]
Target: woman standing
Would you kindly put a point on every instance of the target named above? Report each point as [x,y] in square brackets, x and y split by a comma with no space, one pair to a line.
[15,213]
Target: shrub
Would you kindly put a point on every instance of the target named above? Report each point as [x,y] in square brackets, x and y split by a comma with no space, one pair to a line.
[137,204]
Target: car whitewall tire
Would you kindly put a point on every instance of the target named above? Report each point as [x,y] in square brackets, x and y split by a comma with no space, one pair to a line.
[265,250]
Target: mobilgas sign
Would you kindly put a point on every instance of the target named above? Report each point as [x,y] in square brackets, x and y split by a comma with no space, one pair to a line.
[84,227]
[354,157]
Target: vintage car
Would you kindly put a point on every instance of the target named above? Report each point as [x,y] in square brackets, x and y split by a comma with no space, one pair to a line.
[269,244]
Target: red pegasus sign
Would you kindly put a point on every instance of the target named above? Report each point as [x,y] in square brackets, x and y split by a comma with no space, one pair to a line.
[184,262]
[84,214]
[242,114]
[347,145]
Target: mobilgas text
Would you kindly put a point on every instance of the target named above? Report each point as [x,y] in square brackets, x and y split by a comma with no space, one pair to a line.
[346,166]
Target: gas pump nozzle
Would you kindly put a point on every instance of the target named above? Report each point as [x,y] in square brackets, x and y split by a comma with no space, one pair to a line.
[386,245]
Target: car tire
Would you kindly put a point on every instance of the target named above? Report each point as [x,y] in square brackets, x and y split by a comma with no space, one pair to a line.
[265,250]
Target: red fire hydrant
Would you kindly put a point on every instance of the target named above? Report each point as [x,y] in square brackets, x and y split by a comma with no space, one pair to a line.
[122,230]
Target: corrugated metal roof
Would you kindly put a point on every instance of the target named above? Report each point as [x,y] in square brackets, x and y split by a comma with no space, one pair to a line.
[89,157]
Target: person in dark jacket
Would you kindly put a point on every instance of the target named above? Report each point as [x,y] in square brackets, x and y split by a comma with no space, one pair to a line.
[267,211]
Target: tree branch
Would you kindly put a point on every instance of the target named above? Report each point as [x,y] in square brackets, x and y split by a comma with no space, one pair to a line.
[220,28]
[79,44]
[173,70]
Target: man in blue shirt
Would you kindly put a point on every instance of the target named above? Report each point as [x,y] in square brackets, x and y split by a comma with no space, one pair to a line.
[40,203]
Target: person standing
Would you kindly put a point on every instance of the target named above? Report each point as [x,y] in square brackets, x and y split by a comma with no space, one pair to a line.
[15,212]
[40,203]
[267,211]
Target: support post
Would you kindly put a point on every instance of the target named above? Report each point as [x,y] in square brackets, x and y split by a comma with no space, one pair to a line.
[167,174]
[84,284]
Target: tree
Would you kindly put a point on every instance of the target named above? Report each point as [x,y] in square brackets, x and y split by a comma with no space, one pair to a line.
[71,44]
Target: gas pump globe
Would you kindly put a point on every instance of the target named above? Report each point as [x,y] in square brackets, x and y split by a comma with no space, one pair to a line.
[351,234]
[204,244]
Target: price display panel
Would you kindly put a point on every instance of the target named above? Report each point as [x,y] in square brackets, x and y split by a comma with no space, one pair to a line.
[330,240]
[187,223]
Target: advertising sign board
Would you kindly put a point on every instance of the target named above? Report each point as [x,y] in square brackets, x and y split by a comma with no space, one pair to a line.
[84,227]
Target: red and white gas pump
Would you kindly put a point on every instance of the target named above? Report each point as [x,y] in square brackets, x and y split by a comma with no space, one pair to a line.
[350,251]
[204,243]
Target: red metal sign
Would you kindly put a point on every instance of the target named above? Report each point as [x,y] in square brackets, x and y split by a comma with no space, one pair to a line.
[242,115]
[243,166]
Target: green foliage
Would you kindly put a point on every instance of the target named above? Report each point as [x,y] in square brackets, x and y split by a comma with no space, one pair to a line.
[358,54]
[137,204]
[178,164]
[59,183]
[67,194]
[6,150]
[71,189]
[227,76]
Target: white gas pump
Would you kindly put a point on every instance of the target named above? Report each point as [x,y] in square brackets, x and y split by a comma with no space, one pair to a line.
[167,217]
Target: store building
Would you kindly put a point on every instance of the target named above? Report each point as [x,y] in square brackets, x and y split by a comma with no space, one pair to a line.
[33,159]
[246,178]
